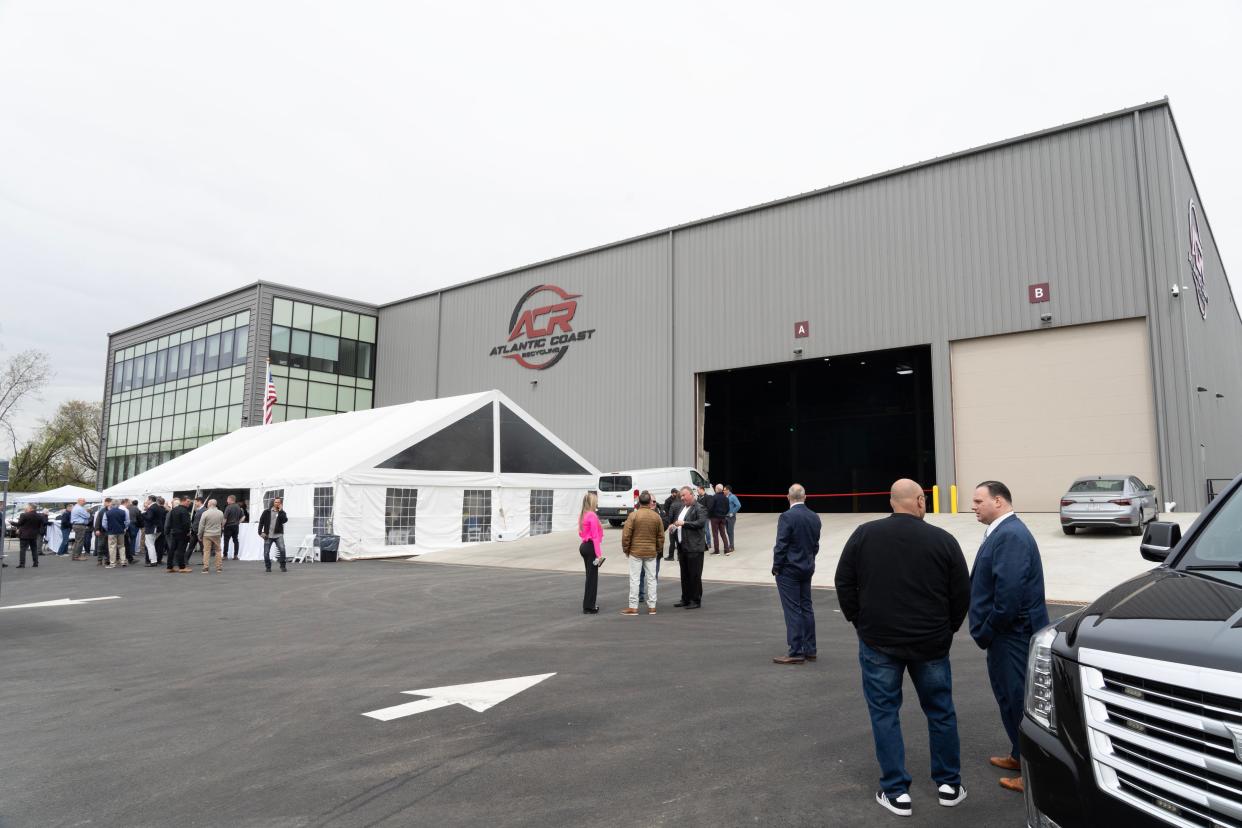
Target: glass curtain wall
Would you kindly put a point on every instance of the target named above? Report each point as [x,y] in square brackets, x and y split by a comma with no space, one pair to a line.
[175,393]
[323,360]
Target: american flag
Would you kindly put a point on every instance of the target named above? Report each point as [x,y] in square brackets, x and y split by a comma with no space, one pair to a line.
[269,398]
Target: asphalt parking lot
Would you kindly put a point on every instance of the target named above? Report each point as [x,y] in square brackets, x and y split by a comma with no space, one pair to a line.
[199,700]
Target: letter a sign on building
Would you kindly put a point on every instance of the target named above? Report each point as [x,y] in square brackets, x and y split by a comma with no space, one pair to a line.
[802,330]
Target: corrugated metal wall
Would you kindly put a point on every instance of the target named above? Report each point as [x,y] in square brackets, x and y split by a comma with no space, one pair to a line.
[931,255]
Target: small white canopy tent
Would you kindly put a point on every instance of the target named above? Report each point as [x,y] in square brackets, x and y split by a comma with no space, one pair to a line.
[398,480]
[65,494]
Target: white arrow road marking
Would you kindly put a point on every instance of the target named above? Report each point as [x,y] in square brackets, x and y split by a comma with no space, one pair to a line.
[478,696]
[61,602]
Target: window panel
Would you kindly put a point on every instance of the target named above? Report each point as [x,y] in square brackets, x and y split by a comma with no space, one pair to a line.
[326,321]
[362,400]
[295,413]
[400,516]
[213,353]
[144,431]
[301,315]
[226,349]
[280,339]
[222,421]
[366,328]
[344,399]
[198,353]
[365,352]
[186,358]
[297,392]
[161,366]
[194,397]
[144,411]
[278,413]
[157,405]
[324,347]
[540,511]
[208,399]
[243,319]
[200,332]
[365,383]
[318,412]
[235,415]
[237,388]
[321,504]
[476,516]
[206,422]
[282,312]
[180,401]
[178,427]
[299,343]
[140,367]
[321,395]
[349,325]
[241,342]
[118,374]
[127,381]
[213,327]
[148,377]
[347,361]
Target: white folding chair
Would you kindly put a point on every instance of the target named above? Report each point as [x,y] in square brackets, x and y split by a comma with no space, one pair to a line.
[307,552]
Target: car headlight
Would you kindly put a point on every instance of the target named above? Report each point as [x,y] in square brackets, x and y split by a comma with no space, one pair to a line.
[1039,704]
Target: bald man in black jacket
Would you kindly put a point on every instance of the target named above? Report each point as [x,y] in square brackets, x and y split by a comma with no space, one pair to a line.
[904,586]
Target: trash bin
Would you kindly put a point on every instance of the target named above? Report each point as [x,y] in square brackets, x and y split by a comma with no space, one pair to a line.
[328,546]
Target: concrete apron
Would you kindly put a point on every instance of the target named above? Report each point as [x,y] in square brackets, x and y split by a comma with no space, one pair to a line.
[1077,568]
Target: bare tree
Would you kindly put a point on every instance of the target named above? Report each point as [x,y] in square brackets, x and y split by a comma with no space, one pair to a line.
[22,378]
[79,428]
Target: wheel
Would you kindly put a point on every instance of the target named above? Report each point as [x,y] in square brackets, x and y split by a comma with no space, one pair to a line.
[615,524]
[1069,530]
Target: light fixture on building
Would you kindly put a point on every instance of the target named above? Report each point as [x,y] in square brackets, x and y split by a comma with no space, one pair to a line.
[1220,396]
[1200,388]
[904,370]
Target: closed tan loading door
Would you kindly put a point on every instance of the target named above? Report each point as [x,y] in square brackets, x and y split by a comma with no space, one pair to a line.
[1037,409]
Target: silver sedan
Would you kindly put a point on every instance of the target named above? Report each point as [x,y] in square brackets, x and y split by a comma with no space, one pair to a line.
[1109,500]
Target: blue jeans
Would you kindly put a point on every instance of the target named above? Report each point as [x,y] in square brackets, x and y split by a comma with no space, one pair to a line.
[66,535]
[131,540]
[933,681]
[642,580]
[1007,673]
[795,592]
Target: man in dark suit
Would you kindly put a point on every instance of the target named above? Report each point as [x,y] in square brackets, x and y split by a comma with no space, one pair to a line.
[688,522]
[673,502]
[1006,608]
[793,564]
[902,583]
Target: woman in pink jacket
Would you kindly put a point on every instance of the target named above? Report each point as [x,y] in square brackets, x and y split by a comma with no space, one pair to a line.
[591,549]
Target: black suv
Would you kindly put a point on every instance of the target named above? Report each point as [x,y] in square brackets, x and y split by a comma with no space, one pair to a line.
[1134,704]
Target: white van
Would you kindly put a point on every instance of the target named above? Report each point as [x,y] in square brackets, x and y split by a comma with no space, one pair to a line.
[618,491]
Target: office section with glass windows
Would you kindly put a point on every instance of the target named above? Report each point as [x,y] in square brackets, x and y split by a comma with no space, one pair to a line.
[174,393]
[323,360]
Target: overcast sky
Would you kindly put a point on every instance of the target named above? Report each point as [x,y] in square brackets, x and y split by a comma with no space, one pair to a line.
[153,154]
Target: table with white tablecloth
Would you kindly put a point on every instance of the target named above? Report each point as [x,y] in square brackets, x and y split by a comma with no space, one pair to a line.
[53,537]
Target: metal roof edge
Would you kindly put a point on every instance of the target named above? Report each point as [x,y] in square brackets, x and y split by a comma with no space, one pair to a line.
[940,159]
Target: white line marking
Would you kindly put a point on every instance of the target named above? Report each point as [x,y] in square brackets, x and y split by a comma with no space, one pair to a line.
[61,602]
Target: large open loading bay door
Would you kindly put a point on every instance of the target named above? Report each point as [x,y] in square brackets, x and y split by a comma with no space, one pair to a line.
[1035,410]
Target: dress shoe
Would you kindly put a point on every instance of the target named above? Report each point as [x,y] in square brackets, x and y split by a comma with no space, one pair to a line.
[1014,784]
[1005,762]
[810,657]
[651,611]
[21,566]
[629,611]
[695,605]
[789,660]
[682,604]
[590,611]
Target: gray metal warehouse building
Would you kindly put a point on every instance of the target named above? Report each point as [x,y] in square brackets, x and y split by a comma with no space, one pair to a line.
[1030,310]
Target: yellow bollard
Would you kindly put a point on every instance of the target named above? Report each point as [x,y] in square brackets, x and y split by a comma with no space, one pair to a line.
[953,498]
[935,500]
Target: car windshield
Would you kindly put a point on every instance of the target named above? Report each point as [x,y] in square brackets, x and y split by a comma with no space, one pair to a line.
[1108,486]
[1219,543]
[615,483]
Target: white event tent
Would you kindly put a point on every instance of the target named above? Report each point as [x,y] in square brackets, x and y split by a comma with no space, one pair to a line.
[397,480]
[65,494]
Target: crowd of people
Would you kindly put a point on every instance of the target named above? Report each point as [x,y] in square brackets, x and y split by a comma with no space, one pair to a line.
[163,532]
[901,582]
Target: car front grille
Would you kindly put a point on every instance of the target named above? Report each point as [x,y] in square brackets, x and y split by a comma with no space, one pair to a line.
[1166,738]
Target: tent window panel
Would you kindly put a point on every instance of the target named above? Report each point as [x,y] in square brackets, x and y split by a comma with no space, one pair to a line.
[400,516]
[476,515]
[322,503]
[523,450]
[272,494]
[540,511]
[465,445]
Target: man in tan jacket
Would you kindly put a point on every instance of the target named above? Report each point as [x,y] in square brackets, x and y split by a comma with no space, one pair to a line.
[642,541]
[210,530]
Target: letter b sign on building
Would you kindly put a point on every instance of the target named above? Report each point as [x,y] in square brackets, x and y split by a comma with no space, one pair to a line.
[1037,293]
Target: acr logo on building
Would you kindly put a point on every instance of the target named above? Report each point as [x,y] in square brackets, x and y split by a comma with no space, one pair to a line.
[1195,257]
[541,328]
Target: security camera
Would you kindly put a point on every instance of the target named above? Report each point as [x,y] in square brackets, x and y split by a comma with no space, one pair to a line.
[1175,290]
[1045,317]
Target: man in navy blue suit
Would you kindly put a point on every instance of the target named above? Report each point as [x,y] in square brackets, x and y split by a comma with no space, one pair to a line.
[1006,608]
[793,564]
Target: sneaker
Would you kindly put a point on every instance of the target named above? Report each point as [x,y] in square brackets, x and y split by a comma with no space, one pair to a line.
[629,611]
[109,566]
[899,805]
[651,611]
[951,795]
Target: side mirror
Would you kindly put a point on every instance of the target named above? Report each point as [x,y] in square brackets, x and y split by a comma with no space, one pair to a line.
[1151,487]
[1159,540]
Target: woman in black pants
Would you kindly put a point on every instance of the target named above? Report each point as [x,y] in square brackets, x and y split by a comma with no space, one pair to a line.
[591,533]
